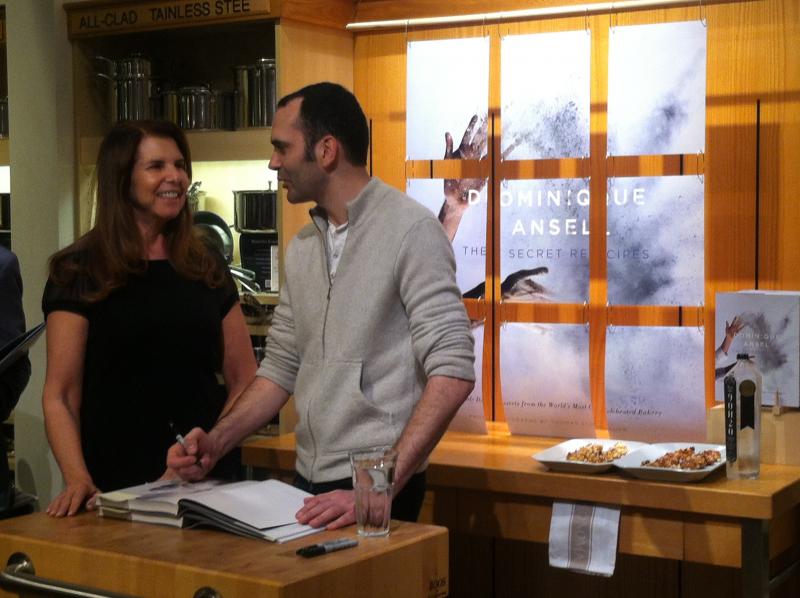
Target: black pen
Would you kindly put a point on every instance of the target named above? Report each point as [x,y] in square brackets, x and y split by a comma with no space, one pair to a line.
[326,547]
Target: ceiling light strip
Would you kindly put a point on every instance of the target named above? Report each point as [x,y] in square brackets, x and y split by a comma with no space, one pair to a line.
[507,15]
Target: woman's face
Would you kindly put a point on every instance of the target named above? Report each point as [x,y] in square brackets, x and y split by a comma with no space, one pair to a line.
[158,182]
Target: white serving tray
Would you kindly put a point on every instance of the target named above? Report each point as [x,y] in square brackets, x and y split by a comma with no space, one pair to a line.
[555,457]
[632,462]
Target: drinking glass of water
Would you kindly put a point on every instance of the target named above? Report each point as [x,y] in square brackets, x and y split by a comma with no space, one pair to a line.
[373,484]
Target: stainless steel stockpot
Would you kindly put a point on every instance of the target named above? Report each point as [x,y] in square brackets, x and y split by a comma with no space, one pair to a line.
[194,110]
[261,81]
[130,86]
[254,210]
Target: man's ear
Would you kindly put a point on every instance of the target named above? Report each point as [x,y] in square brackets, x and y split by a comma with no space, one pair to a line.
[328,151]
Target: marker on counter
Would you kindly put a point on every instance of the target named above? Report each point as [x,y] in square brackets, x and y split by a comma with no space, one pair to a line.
[326,547]
[182,441]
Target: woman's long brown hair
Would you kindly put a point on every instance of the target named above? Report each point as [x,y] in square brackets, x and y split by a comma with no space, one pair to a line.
[114,247]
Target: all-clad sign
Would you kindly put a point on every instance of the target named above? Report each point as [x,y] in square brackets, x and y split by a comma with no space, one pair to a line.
[162,13]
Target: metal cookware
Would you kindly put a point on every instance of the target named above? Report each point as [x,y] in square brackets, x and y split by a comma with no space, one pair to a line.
[168,105]
[242,97]
[217,231]
[254,210]
[135,64]
[194,110]
[130,86]
[261,81]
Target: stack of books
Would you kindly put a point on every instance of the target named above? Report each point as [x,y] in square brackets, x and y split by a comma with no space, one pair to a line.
[264,510]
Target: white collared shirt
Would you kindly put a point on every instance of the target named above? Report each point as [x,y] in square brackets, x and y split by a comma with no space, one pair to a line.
[335,238]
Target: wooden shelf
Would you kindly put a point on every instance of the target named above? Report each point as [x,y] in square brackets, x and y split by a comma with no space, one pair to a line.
[206,146]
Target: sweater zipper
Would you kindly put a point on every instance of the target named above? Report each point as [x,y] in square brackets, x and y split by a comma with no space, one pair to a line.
[324,326]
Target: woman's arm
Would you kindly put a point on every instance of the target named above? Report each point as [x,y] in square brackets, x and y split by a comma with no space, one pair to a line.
[239,363]
[61,402]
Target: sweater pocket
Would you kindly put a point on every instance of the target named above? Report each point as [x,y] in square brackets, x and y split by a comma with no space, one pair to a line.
[341,417]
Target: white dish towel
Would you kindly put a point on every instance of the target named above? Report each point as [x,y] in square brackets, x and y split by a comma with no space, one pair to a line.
[583,538]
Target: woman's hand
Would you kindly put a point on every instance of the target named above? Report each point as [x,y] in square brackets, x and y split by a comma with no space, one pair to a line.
[73,498]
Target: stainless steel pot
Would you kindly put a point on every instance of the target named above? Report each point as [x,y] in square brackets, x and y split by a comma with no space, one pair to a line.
[254,210]
[222,110]
[195,107]
[241,85]
[130,86]
[135,64]
[261,84]
[168,105]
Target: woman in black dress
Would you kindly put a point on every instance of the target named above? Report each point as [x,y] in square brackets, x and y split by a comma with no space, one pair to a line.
[144,329]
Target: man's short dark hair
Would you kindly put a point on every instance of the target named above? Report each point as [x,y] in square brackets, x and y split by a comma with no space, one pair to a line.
[330,109]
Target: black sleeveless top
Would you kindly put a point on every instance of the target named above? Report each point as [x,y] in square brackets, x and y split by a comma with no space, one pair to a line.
[154,355]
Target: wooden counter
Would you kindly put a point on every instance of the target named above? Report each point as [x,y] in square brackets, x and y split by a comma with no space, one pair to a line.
[490,486]
[150,560]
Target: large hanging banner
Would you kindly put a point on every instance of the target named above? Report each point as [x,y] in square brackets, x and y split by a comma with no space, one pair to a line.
[655,389]
[655,241]
[545,101]
[469,417]
[544,240]
[468,229]
[448,85]
[657,89]
[544,374]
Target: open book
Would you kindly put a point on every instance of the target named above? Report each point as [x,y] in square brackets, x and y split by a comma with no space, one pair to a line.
[264,510]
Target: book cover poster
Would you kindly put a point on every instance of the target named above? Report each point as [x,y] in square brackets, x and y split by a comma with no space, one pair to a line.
[469,417]
[657,89]
[544,376]
[545,102]
[447,84]
[544,240]
[655,243]
[466,230]
[765,324]
[655,389]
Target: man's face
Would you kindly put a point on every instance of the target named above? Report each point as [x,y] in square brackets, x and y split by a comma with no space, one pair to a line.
[302,178]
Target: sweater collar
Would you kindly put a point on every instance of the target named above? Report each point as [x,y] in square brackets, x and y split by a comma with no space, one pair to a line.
[356,208]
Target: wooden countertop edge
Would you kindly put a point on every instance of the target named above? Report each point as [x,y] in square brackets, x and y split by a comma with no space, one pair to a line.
[465,467]
[79,535]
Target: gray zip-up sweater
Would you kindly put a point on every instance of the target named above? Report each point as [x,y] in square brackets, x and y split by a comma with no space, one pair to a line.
[357,352]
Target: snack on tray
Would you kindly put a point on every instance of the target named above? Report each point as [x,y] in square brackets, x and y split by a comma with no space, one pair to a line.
[685,458]
[593,453]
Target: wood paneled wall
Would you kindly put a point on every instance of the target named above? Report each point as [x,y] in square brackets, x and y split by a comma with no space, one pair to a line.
[753,110]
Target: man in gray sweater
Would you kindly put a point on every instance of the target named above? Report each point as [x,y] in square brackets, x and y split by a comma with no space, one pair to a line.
[370,334]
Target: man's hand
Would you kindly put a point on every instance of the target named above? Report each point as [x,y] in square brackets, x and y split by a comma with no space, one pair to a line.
[333,510]
[197,459]
[73,498]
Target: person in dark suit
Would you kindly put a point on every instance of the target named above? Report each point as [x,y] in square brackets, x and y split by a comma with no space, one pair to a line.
[14,379]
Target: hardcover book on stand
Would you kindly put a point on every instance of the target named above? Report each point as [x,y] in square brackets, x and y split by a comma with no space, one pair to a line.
[264,510]
[765,324]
